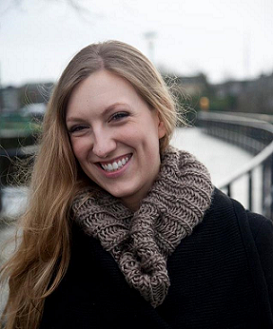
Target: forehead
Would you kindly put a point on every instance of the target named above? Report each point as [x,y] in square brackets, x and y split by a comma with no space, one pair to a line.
[101,89]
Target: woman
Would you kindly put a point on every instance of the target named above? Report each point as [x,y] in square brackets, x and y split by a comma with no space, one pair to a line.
[123,230]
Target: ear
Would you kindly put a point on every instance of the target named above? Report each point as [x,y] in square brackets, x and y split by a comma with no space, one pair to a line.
[161,127]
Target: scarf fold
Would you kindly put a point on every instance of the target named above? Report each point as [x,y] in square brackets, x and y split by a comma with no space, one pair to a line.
[141,242]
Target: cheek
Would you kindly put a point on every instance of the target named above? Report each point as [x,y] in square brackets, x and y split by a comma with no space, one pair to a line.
[79,148]
[128,135]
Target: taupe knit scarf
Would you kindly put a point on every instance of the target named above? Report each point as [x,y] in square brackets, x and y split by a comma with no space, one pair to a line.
[141,242]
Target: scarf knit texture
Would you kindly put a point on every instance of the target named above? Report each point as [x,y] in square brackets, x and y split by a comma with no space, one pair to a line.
[141,242]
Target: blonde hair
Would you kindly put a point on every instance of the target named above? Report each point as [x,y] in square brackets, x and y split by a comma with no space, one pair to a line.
[42,258]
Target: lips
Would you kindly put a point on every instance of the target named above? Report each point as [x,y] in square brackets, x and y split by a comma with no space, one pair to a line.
[116,164]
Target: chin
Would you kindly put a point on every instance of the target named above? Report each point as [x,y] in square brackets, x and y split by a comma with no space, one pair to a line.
[121,193]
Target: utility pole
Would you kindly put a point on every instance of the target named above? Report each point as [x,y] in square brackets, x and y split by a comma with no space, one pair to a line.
[150,37]
[247,55]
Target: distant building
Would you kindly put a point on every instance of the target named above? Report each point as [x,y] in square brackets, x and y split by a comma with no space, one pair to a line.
[257,97]
[188,86]
[195,85]
[35,93]
[9,100]
[229,88]
[12,99]
[253,96]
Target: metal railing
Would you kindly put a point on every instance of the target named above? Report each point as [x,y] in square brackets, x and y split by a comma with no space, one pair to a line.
[253,135]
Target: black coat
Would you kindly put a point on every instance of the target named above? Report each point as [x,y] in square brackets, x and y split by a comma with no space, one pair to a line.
[221,277]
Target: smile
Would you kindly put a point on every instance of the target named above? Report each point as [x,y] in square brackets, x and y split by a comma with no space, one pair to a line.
[115,165]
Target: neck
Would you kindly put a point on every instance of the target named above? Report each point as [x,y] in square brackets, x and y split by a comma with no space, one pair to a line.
[133,202]
[131,205]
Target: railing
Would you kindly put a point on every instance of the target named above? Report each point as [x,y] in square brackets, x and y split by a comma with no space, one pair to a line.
[253,135]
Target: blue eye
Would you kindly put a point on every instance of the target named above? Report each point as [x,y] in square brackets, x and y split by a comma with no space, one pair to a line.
[76,129]
[119,115]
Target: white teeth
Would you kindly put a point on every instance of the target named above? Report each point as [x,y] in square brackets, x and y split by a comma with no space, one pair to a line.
[109,167]
[115,165]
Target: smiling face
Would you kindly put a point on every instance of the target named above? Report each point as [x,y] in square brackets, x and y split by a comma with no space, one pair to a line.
[115,136]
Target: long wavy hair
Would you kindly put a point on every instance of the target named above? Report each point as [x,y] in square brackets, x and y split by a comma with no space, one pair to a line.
[42,256]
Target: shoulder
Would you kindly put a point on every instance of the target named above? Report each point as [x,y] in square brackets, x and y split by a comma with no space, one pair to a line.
[225,211]
[222,206]
[262,233]
[260,226]
[255,230]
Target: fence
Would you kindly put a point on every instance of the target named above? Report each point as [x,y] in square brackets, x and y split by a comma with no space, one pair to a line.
[254,135]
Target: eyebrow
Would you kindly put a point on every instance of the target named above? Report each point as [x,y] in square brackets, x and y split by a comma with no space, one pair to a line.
[105,112]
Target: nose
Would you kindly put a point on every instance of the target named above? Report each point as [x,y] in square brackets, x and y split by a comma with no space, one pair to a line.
[104,144]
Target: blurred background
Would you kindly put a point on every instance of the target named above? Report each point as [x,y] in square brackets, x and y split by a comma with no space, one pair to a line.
[216,56]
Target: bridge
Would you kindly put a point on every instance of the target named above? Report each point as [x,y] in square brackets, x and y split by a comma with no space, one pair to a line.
[253,133]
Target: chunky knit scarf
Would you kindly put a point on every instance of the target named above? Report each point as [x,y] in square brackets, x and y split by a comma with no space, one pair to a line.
[141,242]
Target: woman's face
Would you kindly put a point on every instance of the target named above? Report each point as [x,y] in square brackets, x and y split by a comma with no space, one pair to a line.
[115,136]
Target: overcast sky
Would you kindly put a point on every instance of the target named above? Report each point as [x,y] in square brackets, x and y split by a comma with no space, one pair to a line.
[222,38]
